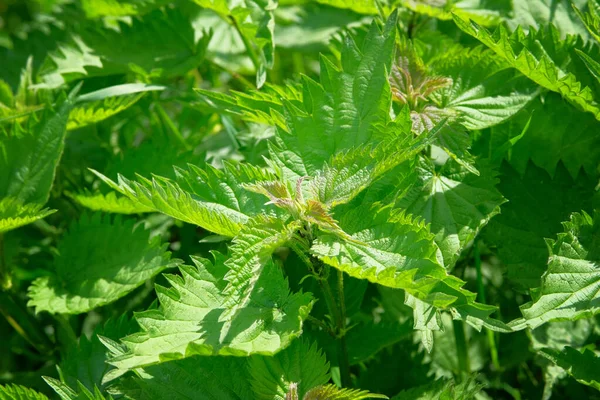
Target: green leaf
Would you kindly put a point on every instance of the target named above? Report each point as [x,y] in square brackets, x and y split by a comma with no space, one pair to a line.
[28,164]
[583,366]
[110,203]
[226,47]
[159,43]
[359,6]
[556,336]
[540,13]
[191,318]
[98,262]
[155,156]
[219,378]
[332,392]
[301,366]
[484,12]
[482,92]
[541,56]
[119,8]
[552,124]
[590,18]
[442,390]
[264,106]
[348,108]
[366,340]
[85,364]
[17,392]
[427,320]
[348,173]
[537,204]
[104,103]
[250,251]
[454,201]
[13,214]
[394,250]
[592,65]
[255,21]
[309,29]
[210,198]
[571,285]
[67,393]
[559,334]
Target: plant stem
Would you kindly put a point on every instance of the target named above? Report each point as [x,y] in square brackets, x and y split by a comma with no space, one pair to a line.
[247,44]
[462,350]
[482,298]
[337,313]
[343,358]
[329,299]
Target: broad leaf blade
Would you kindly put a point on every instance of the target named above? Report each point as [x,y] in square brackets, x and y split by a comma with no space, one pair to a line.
[28,164]
[191,320]
[530,57]
[583,366]
[396,251]
[99,261]
[210,198]
[17,392]
[571,285]
[454,201]
[13,214]
[301,367]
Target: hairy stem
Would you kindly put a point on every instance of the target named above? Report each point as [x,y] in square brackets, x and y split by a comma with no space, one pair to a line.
[329,299]
[337,311]
[343,358]
[462,350]
[482,297]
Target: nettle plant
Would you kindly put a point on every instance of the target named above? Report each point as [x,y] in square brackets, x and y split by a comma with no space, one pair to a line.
[411,213]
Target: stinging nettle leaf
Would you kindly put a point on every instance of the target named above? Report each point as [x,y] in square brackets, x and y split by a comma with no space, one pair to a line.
[110,203]
[94,107]
[551,123]
[482,92]
[99,261]
[540,56]
[18,392]
[454,201]
[214,199]
[537,205]
[571,285]
[192,319]
[160,42]
[397,251]
[28,164]
[301,367]
[583,366]
[13,214]
[347,109]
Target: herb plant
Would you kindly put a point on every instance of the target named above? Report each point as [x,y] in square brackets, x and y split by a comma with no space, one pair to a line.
[324,199]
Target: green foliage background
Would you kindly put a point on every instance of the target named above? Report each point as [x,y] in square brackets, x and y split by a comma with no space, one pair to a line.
[299,199]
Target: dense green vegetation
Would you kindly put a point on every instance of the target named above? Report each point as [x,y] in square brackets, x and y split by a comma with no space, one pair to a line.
[327,199]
